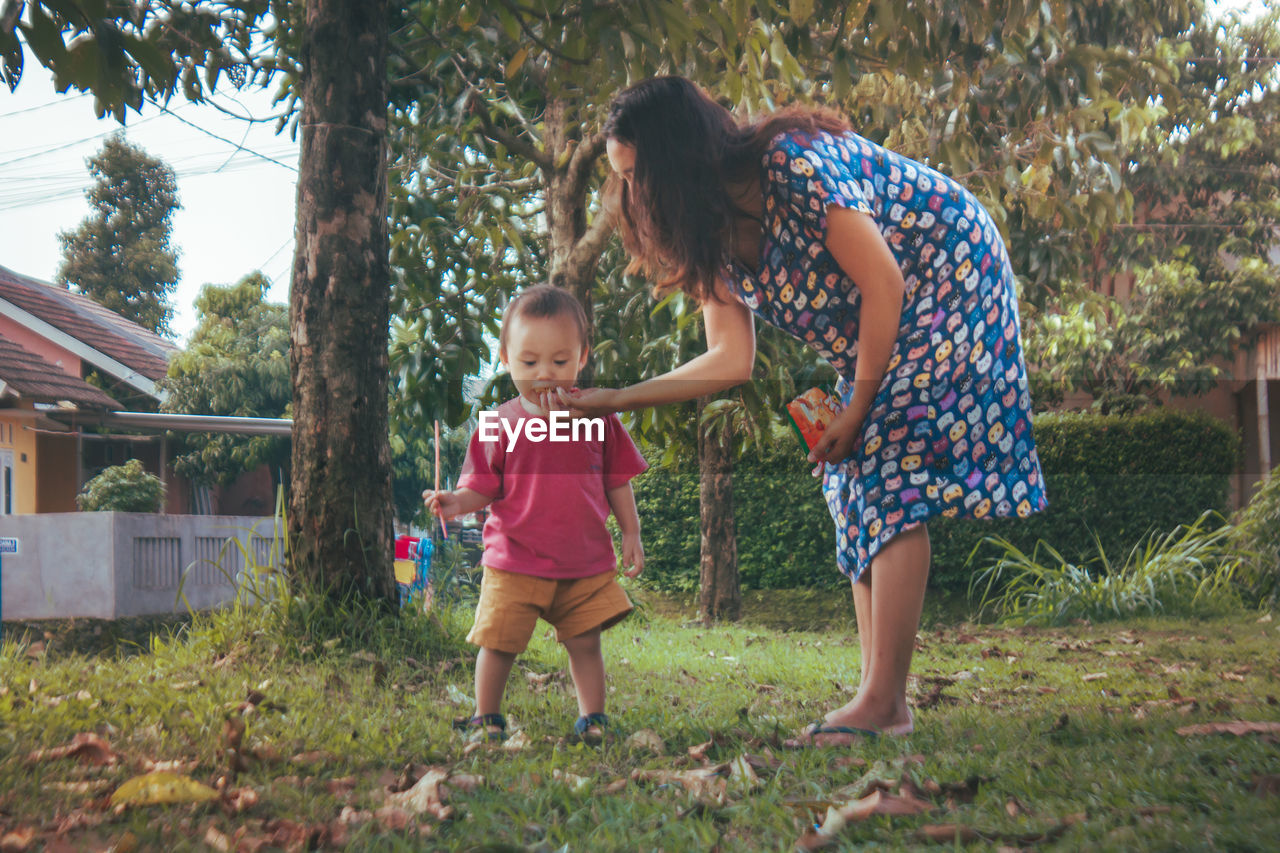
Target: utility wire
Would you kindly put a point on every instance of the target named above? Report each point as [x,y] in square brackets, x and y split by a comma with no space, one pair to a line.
[165,109]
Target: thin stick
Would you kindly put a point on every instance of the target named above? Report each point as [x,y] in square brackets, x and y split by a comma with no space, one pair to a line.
[444,529]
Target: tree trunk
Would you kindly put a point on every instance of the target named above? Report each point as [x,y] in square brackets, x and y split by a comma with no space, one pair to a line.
[340,507]
[720,598]
[574,247]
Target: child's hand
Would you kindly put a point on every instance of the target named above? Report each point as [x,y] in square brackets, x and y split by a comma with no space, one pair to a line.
[442,503]
[632,554]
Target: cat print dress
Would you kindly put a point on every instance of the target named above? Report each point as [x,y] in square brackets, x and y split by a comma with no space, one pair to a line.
[949,432]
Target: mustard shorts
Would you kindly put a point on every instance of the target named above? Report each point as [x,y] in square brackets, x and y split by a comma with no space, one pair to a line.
[511,604]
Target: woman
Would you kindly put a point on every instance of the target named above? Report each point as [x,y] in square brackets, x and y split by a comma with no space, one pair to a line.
[891,271]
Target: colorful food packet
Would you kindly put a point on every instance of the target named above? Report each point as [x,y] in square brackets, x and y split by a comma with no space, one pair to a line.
[811,412]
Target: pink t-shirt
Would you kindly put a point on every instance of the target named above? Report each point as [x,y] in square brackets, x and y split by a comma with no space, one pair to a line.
[549,507]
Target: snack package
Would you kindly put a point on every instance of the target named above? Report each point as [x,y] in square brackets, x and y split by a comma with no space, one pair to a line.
[811,412]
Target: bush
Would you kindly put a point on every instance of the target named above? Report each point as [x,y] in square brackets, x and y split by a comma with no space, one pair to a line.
[1114,477]
[1187,572]
[122,488]
[1258,535]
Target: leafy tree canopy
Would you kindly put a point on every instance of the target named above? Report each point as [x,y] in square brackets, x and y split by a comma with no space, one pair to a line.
[120,256]
[236,364]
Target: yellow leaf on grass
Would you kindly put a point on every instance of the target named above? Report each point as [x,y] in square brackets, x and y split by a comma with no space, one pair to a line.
[162,788]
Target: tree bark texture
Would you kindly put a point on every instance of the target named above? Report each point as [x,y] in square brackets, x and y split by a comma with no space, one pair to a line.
[719,597]
[574,248]
[340,507]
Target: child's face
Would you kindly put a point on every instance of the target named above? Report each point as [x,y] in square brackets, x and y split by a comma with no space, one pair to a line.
[543,353]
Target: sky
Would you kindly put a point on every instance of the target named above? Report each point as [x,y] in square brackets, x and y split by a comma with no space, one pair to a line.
[236,181]
[237,213]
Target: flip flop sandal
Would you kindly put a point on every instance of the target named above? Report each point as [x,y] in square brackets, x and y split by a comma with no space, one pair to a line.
[582,729]
[820,727]
[478,729]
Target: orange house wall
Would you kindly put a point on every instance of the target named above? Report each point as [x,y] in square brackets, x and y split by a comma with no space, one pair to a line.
[15,436]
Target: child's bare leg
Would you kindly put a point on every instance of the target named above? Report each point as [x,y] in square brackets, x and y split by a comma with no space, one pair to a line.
[492,669]
[586,665]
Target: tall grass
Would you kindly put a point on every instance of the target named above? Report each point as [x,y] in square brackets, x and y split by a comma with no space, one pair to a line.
[1189,571]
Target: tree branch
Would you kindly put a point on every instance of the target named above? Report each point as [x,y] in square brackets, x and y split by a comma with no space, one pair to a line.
[512,142]
[583,161]
[589,249]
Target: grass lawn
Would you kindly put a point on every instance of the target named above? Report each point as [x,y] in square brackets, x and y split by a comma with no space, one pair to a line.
[1088,737]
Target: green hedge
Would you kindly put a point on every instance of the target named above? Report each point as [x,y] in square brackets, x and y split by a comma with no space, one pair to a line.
[1116,477]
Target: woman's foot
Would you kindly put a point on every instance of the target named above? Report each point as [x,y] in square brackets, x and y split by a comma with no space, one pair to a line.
[841,728]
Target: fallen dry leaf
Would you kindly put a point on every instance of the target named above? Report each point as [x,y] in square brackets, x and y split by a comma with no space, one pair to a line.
[616,786]
[575,783]
[742,775]
[699,752]
[876,803]
[239,800]
[85,747]
[1239,727]
[219,841]
[1267,785]
[647,739]
[341,788]
[88,786]
[17,840]
[161,788]
[516,742]
[702,782]
[947,833]
[427,796]
[176,765]
[1093,676]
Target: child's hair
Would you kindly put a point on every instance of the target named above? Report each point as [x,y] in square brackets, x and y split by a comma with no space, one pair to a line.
[545,300]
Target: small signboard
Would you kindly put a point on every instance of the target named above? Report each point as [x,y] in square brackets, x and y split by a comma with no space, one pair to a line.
[8,544]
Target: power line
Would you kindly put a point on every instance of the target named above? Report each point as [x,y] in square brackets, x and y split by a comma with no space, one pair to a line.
[220,138]
[62,100]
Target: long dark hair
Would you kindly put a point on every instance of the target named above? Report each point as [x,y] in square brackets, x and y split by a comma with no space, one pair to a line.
[675,212]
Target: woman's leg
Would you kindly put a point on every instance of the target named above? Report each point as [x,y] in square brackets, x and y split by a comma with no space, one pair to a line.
[864,617]
[586,665]
[893,599]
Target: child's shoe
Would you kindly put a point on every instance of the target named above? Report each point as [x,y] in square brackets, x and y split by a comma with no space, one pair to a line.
[482,729]
[590,729]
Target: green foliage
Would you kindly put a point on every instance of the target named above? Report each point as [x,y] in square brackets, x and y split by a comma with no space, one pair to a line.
[122,488]
[1125,353]
[236,364]
[119,256]
[1258,536]
[124,53]
[1187,572]
[413,464]
[1111,479]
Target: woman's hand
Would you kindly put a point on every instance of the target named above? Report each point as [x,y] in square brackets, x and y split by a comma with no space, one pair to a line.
[584,402]
[837,440]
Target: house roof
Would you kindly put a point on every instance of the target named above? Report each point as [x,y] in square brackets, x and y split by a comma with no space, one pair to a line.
[25,374]
[89,323]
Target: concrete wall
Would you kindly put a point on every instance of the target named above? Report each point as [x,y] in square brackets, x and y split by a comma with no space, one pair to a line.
[112,564]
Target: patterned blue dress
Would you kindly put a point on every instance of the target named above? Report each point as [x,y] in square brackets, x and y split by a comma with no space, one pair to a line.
[949,432]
